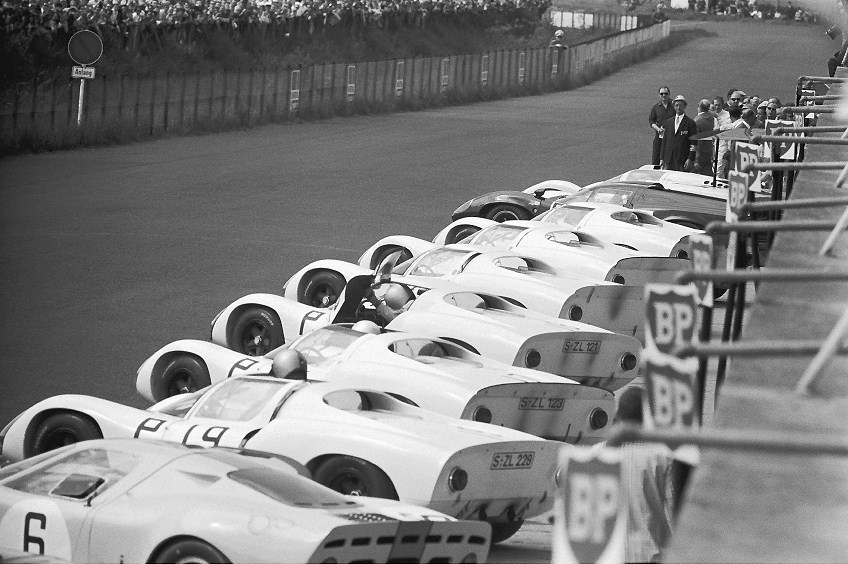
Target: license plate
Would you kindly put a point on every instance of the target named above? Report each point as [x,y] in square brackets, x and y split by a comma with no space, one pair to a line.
[552,404]
[585,347]
[512,460]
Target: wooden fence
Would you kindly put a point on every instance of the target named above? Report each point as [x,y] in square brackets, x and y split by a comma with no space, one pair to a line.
[188,102]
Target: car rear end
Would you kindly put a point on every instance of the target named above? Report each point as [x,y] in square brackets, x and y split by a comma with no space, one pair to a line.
[377,538]
[499,482]
[594,358]
[562,412]
[616,308]
[638,271]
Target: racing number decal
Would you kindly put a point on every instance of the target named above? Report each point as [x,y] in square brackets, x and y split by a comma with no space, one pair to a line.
[313,315]
[211,436]
[29,538]
[243,364]
[149,425]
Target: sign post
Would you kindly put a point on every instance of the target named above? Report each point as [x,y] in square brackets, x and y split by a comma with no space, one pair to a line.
[85,48]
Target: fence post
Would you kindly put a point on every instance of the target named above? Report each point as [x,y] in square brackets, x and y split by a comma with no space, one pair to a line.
[153,103]
[262,94]
[136,108]
[121,97]
[224,99]
[167,104]
[276,91]
[182,100]
[237,102]
[250,96]
[53,86]
[196,98]
[34,99]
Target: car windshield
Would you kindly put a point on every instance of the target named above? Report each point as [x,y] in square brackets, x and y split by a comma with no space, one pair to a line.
[440,262]
[77,475]
[325,343]
[238,399]
[497,235]
[564,215]
[650,175]
[411,348]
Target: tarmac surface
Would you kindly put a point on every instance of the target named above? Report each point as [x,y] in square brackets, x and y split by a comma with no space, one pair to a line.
[108,254]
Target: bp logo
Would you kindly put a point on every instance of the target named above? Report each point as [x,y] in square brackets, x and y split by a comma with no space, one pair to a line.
[591,498]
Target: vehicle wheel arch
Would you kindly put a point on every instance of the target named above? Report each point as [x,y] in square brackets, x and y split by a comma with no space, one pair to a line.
[519,211]
[158,370]
[308,275]
[382,252]
[241,308]
[38,420]
[313,465]
[163,546]
[460,232]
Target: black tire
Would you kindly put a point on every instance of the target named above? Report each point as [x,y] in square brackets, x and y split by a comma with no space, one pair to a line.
[189,550]
[354,476]
[502,531]
[61,429]
[322,289]
[504,212]
[384,253]
[256,331]
[182,375]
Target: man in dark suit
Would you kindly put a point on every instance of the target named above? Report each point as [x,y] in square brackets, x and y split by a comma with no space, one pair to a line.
[705,121]
[678,151]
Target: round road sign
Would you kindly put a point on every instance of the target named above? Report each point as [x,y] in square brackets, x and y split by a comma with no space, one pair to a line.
[85,47]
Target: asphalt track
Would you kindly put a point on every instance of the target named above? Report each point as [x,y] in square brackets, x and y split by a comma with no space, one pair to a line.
[108,254]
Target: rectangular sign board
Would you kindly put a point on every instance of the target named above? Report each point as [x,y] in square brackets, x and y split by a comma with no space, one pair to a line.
[82,72]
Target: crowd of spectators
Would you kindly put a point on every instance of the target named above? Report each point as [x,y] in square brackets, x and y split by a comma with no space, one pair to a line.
[759,9]
[25,24]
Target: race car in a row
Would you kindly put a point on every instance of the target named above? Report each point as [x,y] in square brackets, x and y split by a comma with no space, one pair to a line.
[562,246]
[125,500]
[434,374]
[483,323]
[522,279]
[353,440]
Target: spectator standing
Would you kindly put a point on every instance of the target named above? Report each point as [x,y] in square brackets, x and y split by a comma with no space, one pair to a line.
[762,115]
[660,112]
[648,479]
[734,112]
[705,149]
[772,108]
[556,42]
[678,151]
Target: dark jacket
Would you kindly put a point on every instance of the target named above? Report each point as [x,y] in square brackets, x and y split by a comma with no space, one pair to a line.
[676,146]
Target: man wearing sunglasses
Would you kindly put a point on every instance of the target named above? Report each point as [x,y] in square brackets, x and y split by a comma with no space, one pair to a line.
[660,112]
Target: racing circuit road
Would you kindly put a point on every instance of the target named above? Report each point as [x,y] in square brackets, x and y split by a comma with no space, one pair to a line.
[107,254]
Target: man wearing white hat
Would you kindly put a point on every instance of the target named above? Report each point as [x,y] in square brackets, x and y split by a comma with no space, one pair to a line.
[678,151]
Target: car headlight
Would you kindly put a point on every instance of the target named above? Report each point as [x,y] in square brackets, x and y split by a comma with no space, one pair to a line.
[629,361]
[575,313]
[457,479]
[533,358]
[482,414]
[598,419]
[618,279]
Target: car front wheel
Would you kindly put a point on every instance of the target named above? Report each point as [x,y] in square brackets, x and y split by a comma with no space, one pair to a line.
[505,212]
[257,331]
[62,429]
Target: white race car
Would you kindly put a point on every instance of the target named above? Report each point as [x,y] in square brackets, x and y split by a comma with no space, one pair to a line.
[355,441]
[678,181]
[632,229]
[523,279]
[483,323]
[565,248]
[431,373]
[130,500]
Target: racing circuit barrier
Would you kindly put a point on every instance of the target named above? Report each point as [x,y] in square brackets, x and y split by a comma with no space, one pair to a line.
[46,114]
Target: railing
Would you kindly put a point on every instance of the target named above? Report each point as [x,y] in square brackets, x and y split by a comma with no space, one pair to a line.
[187,102]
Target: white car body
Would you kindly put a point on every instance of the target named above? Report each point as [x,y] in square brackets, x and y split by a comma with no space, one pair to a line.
[567,248]
[678,181]
[431,373]
[552,188]
[411,453]
[632,229]
[129,500]
[484,323]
